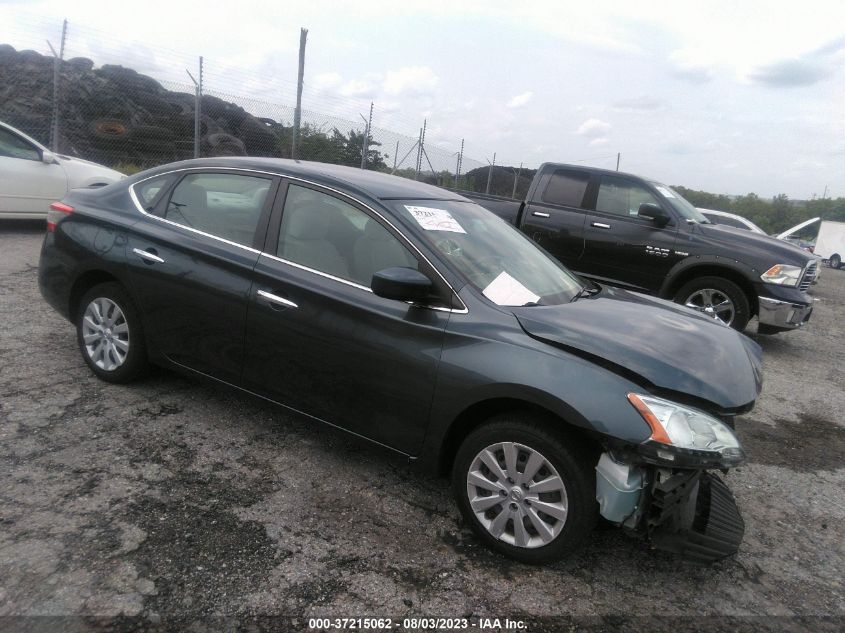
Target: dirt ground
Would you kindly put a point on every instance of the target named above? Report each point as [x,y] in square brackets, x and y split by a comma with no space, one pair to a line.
[174,499]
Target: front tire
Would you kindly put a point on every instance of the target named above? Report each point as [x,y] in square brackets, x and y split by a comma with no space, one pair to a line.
[835,261]
[526,490]
[110,334]
[718,298]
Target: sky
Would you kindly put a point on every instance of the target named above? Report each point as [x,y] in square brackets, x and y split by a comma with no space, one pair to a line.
[728,97]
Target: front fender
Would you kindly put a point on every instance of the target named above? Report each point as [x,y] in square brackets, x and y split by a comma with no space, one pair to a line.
[749,273]
[476,370]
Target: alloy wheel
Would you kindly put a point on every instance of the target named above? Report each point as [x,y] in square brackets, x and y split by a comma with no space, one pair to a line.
[714,303]
[517,495]
[105,334]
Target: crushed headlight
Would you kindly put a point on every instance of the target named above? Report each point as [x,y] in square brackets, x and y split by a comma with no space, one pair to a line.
[686,436]
[782,275]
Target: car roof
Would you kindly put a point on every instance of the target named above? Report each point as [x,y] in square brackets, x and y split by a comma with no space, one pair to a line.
[599,170]
[368,182]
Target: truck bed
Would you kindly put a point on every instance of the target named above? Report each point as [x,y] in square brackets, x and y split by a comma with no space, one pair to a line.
[506,208]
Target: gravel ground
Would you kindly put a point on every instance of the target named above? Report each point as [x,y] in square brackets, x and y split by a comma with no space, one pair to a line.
[173,499]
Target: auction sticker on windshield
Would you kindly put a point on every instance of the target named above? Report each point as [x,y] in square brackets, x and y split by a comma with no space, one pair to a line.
[432,219]
[504,290]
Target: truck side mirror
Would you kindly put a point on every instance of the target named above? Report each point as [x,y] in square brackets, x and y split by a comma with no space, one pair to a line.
[655,213]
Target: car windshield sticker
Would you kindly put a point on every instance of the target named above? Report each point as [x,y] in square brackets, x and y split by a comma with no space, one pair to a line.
[504,290]
[666,193]
[435,219]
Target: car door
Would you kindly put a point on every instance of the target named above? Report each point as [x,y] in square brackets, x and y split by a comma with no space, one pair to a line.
[190,262]
[555,216]
[27,184]
[319,341]
[619,246]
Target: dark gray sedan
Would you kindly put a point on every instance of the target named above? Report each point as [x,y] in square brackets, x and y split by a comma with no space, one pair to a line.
[409,316]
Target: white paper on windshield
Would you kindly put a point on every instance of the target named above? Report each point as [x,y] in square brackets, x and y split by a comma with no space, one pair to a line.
[504,290]
[666,193]
[432,219]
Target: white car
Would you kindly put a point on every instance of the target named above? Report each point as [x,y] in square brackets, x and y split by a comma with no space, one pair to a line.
[32,177]
[731,219]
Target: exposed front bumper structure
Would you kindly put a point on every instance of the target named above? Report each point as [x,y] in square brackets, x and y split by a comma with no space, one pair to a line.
[783,315]
[694,514]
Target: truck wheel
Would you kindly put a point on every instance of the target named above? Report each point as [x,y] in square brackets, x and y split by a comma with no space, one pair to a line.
[716,297]
[110,334]
[835,261]
[527,492]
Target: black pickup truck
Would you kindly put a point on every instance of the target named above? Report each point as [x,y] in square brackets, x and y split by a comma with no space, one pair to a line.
[628,231]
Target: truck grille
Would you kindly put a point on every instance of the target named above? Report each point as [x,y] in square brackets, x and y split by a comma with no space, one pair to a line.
[809,276]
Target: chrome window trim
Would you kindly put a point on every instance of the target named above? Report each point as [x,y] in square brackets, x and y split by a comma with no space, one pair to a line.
[140,208]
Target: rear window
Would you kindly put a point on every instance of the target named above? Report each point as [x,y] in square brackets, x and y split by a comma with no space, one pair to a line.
[566,187]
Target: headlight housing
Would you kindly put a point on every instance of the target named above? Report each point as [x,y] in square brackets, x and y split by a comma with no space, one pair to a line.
[686,437]
[783,275]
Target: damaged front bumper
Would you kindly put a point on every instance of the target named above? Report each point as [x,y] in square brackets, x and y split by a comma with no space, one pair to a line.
[694,514]
[687,512]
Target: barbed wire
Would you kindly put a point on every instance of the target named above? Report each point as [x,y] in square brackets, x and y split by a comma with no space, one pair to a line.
[133,106]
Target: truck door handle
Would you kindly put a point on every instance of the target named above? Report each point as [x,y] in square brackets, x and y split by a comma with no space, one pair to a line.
[600,225]
[149,256]
[276,299]
[540,214]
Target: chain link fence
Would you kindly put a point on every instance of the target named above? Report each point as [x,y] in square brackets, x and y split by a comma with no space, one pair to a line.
[93,95]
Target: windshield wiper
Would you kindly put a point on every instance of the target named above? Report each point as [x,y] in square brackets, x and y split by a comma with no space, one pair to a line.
[586,291]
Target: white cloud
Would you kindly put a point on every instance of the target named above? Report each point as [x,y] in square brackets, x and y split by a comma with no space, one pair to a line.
[597,142]
[357,88]
[520,100]
[593,128]
[327,81]
[692,65]
[410,80]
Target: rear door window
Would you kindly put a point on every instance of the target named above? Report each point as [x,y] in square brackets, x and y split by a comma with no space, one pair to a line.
[566,187]
[224,205]
[149,192]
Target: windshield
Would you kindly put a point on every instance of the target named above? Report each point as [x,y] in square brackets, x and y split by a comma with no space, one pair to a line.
[491,254]
[681,206]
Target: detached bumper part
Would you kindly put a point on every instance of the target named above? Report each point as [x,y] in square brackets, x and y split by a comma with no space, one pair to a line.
[783,315]
[694,514]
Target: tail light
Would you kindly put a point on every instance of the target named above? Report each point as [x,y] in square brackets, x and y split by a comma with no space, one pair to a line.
[57,211]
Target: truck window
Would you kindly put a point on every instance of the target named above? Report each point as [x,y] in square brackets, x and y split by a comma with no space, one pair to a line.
[622,197]
[567,188]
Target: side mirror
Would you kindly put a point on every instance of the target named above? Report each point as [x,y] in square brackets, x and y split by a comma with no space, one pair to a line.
[401,284]
[650,211]
[48,157]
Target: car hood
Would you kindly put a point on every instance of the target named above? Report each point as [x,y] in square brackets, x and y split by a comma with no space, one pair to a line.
[797,228]
[779,251]
[82,173]
[671,347]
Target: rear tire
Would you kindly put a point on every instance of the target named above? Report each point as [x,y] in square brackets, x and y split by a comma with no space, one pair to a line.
[695,294]
[110,334]
[569,501]
[835,261]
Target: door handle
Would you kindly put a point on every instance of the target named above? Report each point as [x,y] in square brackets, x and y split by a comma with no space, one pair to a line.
[540,214]
[276,299]
[148,256]
[600,225]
